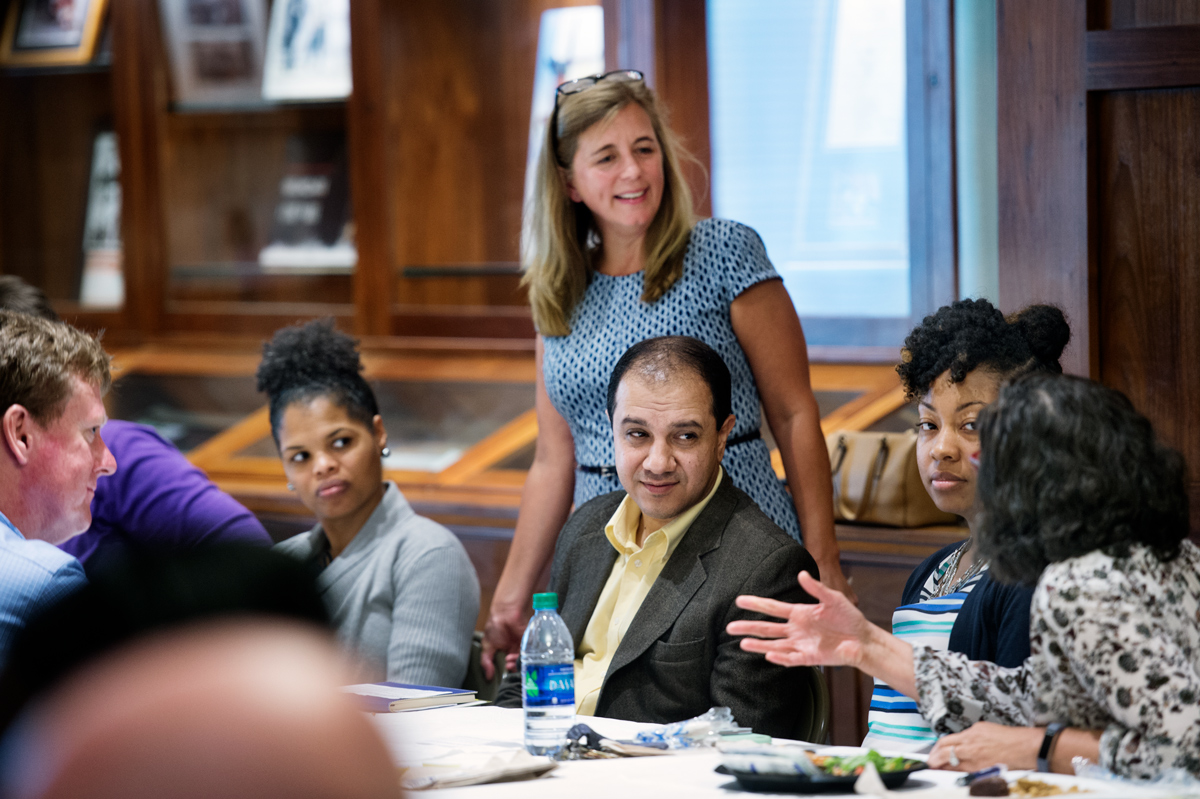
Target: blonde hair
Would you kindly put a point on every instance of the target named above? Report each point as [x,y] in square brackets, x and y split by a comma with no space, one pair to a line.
[38,358]
[560,241]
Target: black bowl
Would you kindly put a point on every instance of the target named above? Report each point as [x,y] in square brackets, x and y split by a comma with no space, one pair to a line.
[802,783]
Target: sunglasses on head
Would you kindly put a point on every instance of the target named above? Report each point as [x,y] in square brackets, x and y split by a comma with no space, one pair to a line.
[578,85]
[583,84]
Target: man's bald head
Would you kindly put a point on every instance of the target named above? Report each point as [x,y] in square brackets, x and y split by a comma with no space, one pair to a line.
[230,709]
[669,359]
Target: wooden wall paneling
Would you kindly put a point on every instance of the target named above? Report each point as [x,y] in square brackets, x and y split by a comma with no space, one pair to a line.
[1135,58]
[1149,247]
[681,80]
[19,185]
[461,83]
[370,168]
[257,319]
[1042,155]
[434,116]
[221,173]
[1126,276]
[850,691]
[1144,13]
[140,92]
[253,286]
[931,176]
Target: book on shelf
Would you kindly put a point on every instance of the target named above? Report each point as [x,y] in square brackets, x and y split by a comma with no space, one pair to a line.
[396,697]
[216,49]
[102,283]
[308,51]
[312,226]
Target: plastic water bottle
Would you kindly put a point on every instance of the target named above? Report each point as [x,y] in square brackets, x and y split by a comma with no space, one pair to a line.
[548,677]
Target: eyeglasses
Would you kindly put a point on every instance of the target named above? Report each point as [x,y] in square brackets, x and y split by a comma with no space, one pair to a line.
[581,85]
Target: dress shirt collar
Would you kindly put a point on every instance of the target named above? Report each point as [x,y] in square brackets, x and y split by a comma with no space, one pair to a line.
[621,529]
[6,523]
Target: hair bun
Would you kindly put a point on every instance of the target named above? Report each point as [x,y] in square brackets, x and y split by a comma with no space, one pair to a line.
[1045,330]
[306,355]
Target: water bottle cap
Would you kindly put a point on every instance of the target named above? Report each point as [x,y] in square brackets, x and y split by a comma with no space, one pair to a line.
[547,601]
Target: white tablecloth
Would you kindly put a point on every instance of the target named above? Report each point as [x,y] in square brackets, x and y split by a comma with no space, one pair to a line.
[470,735]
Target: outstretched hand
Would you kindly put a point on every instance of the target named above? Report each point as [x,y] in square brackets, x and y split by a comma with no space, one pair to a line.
[830,633]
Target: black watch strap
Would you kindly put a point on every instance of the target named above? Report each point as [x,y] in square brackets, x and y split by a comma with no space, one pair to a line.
[1043,758]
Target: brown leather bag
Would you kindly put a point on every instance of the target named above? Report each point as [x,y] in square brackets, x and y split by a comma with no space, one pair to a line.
[875,481]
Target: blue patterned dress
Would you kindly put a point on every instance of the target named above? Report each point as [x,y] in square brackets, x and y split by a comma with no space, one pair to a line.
[723,259]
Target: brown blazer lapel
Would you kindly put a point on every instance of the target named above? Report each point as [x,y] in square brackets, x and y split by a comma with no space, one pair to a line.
[679,580]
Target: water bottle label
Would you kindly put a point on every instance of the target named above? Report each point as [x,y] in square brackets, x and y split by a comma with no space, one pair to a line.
[550,685]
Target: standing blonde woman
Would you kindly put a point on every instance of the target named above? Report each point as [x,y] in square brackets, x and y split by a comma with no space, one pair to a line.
[612,256]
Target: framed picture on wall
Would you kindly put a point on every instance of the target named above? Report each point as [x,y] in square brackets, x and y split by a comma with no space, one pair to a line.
[51,32]
[308,51]
[216,49]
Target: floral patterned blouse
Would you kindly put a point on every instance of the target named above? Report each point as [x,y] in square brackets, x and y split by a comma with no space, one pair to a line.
[1115,646]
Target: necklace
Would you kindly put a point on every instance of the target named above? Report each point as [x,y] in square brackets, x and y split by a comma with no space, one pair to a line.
[946,583]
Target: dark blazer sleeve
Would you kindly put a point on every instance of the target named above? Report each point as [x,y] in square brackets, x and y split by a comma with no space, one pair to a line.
[762,695]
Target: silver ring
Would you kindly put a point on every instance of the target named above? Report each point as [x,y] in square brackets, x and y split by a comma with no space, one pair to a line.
[954,761]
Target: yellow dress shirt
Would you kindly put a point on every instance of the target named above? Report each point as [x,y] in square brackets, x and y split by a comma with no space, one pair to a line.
[633,573]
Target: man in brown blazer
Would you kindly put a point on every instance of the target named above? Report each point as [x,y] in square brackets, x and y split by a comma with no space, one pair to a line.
[647,577]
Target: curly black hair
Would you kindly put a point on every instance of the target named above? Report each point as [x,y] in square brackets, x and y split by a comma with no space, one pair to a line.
[303,362]
[966,335]
[1067,466]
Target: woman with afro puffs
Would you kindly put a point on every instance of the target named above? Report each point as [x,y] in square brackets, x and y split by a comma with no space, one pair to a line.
[953,365]
[1077,499]
[399,587]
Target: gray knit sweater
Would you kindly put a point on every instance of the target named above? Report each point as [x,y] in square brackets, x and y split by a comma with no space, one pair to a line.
[403,595]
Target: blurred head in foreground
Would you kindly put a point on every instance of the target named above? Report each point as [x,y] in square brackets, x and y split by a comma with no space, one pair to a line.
[151,593]
[235,708]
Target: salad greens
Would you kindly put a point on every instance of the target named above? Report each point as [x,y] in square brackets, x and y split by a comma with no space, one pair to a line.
[853,765]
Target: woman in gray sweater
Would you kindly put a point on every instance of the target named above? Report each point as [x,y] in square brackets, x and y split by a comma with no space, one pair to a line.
[399,587]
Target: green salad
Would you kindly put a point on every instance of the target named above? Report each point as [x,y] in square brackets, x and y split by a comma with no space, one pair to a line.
[852,766]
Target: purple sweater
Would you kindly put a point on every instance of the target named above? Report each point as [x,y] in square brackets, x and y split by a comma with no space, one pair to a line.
[158,500]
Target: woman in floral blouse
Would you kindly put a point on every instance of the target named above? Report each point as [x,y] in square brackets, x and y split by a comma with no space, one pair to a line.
[1078,497]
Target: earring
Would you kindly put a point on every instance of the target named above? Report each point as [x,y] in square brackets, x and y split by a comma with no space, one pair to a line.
[291,487]
[386,452]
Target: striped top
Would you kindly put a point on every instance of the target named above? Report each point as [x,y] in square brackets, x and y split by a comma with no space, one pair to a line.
[894,723]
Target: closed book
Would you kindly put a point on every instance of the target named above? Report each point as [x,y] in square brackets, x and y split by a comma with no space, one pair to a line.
[395,697]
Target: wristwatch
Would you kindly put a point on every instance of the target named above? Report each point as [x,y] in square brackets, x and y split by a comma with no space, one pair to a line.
[1052,731]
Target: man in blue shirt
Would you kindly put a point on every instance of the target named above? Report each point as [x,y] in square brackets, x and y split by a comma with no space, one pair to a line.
[52,380]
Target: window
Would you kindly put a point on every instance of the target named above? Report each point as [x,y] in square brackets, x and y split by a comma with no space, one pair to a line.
[814,144]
